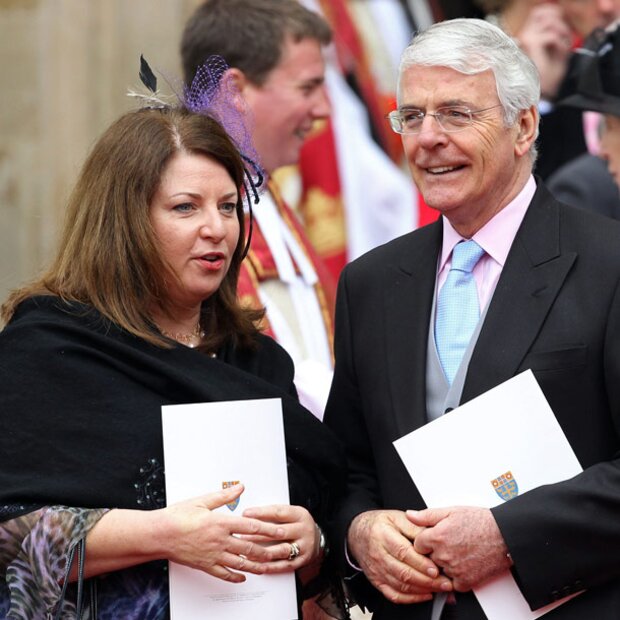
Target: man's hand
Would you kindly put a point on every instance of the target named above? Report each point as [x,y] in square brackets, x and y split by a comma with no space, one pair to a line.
[465,542]
[380,542]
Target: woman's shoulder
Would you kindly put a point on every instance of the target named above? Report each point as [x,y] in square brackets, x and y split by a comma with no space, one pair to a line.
[269,351]
[48,322]
[268,346]
[267,359]
[51,308]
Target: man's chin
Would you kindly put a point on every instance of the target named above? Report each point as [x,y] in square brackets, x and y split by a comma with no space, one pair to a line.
[289,159]
[439,201]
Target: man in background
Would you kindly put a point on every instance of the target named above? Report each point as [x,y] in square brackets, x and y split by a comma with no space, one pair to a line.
[585,181]
[275,52]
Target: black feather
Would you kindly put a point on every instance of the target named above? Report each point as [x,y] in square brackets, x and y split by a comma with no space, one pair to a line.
[147,76]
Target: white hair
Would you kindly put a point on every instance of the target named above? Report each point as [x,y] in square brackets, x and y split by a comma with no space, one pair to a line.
[471,46]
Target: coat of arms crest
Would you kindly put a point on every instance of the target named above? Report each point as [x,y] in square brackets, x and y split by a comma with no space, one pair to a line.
[506,486]
[227,484]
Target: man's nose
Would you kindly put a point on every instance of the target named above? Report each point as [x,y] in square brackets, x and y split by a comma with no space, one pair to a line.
[322,106]
[431,131]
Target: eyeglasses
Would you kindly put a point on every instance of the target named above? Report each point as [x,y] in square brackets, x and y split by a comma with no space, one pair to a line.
[449,118]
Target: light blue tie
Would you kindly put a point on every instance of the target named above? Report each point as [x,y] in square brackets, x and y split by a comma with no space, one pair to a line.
[458,308]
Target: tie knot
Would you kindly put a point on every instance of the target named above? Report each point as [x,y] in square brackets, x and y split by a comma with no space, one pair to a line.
[465,255]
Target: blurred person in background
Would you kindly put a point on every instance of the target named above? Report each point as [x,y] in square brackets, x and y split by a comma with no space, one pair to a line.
[545,34]
[598,90]
[274,49]
[585,181]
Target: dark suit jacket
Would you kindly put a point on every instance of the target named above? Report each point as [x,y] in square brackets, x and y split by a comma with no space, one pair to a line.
[585,182]
[556,310]
[560,139]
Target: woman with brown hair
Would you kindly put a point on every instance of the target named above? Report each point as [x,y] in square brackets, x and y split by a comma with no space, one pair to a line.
[138,310]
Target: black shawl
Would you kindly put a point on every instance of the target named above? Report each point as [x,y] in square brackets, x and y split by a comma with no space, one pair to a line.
[81,411]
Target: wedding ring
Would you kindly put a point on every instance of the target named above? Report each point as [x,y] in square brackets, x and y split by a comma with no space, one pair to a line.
[241,562]
[294,551]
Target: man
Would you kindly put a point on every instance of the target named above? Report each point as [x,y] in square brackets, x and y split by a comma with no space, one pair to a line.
[274,49]
[585,181]
[545,286]
[588,181]
[546,35]
[562,137]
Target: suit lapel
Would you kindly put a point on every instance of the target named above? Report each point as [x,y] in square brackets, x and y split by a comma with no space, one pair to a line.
[408,299]
[532,277]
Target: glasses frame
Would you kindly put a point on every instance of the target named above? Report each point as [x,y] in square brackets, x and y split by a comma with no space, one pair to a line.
[395,118]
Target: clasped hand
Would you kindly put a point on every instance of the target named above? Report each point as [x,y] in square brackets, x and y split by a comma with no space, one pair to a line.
[380,541]
[464,542]
[259,541]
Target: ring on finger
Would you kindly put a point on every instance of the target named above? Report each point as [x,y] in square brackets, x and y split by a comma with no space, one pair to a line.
[242,559]
[294,551]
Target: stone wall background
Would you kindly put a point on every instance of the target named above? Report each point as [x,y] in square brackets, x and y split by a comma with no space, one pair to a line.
[65,69]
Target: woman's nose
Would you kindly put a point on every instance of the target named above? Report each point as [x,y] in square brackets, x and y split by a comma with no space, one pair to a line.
[212,225]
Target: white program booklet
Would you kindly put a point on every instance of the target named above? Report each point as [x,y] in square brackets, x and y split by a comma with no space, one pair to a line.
[208,446]
[500,444]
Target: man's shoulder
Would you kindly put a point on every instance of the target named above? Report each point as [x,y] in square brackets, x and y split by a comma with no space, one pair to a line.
[589,234]
[397,251]
[579,223]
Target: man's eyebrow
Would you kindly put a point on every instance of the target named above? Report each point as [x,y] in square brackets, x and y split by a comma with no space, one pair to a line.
[316,81]
[449,103]
[456,103]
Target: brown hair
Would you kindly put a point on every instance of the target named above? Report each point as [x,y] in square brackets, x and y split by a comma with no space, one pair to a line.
[108,254]
[249,34]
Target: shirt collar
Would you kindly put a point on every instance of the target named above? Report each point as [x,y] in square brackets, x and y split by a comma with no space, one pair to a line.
[497,235]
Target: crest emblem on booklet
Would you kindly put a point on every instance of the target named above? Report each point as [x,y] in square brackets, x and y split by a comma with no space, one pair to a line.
[506,486]
[227,484]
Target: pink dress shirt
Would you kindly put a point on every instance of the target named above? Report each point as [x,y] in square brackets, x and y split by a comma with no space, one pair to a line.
[495,238]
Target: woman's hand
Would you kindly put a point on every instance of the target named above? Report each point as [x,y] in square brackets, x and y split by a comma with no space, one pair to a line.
[269,539]
[297,543]
[221,544]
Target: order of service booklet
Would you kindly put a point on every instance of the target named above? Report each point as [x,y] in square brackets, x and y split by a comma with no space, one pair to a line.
[208,446]
[502,443]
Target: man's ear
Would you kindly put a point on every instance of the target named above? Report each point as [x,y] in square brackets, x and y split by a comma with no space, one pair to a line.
[240,82]
[528,129]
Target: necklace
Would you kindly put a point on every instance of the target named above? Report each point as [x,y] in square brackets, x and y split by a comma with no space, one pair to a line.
[190,340]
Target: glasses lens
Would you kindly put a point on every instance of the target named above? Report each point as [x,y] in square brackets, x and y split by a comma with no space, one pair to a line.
[406,121]
[395,121]
[453,118]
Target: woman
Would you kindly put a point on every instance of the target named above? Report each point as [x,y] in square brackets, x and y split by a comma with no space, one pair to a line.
[139,310]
